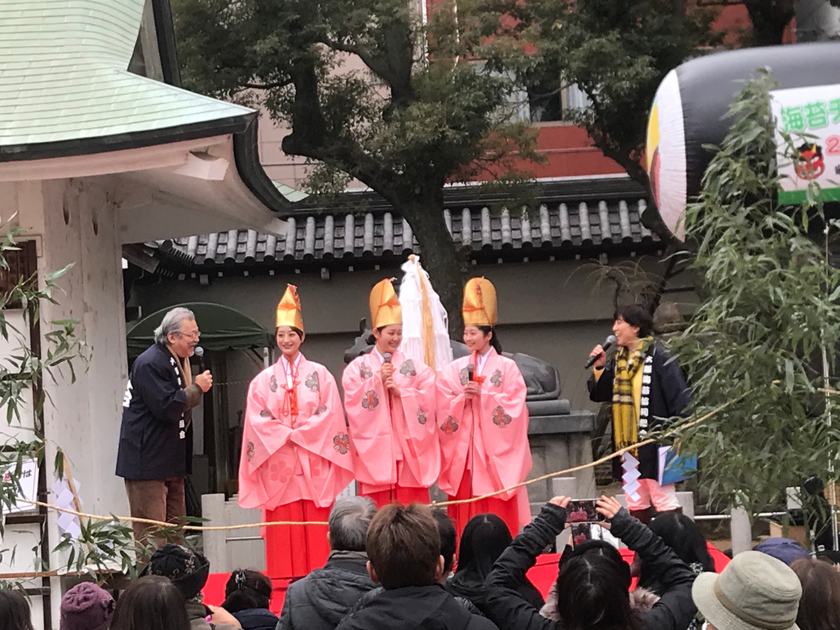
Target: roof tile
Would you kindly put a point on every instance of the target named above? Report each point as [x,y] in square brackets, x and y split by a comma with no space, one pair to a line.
[322,237]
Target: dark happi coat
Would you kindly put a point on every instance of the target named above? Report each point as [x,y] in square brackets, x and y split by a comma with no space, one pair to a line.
[156,415]
[664,396]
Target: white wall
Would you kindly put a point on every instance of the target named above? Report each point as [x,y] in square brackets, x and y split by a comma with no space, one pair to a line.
[73,221]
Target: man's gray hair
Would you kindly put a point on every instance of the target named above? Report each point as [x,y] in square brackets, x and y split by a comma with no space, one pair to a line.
[349,522]
[172,323]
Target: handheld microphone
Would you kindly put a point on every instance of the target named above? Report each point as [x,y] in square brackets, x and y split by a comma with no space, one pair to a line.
[609,342]
[470,371]
[387,357]
[198,352]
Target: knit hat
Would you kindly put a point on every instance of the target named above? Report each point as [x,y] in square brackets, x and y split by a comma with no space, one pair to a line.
[783,549]
[754,592]
[86,607]
[185,568]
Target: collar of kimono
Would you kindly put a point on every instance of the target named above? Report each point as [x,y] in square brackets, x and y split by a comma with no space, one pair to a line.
[183,368]
[290,399]
[481,359]
[380,355]
[291,368]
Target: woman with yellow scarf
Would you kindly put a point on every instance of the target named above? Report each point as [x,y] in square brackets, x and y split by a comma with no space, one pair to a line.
[647,389]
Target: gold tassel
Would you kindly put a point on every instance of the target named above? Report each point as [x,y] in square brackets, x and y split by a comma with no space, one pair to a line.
[428,321]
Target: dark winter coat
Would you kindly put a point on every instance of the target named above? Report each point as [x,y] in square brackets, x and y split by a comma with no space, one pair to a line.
[674,610]
[669,397]
[156,413]
[198,613]
[415,608]
[256,619]
[364,600]
[470,586]
[324,597]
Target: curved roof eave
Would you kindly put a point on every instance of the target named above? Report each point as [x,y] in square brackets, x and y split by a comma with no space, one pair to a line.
[245,142]
[234,125]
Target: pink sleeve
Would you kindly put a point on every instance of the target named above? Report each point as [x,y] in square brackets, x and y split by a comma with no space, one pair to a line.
[504,438]
[453,435]
[263,433]
[369,422]
[418,435]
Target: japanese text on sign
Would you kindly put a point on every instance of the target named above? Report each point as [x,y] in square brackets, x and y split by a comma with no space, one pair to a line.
[813,115]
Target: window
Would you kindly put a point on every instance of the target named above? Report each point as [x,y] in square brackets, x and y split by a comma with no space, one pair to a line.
[547,105]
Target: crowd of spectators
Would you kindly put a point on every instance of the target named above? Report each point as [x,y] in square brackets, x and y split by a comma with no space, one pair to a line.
[401,568]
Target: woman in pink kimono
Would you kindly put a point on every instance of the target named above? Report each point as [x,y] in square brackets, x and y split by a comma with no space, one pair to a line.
[390,405]
[295,450]
[483,420]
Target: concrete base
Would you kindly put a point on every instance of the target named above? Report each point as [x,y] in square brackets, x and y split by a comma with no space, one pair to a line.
[559,443]
[228,550]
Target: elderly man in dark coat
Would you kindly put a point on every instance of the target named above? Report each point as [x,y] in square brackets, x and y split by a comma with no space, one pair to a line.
[152,455]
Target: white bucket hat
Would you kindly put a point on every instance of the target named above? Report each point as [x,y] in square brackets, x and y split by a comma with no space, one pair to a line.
[754,592]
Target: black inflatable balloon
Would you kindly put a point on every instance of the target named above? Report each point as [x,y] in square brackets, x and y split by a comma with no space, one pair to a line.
[690,107]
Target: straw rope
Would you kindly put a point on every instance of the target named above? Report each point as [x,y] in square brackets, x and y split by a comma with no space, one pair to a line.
[209,528]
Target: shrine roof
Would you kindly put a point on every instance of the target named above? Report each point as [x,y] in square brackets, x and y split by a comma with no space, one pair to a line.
[569,219]
[65,88]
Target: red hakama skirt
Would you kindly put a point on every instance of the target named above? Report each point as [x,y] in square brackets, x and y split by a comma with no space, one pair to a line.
[395,494]
[507,510]
[293,551]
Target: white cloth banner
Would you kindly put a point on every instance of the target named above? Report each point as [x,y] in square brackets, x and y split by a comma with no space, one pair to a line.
[411,300]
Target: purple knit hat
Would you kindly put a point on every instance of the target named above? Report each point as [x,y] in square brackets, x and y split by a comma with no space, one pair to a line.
[86,607]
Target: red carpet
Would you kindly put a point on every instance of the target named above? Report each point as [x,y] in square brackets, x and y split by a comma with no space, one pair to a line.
[543,575]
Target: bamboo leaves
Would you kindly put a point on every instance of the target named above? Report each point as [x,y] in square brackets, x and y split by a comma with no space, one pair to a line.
[769,310]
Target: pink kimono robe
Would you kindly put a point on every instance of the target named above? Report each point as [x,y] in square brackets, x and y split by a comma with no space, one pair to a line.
[295,461]
[395,446]
[484,441]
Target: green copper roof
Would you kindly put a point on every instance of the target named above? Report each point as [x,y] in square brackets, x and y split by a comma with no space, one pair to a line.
[65,88]
[291,194]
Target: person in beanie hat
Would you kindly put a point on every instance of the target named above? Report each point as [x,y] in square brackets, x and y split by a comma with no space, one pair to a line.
[188,570]
[784,549]
[86,607]
[754,592]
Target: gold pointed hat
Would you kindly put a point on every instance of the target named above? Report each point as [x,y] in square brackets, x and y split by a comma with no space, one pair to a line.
[480,308]
[384,305]
[288,309]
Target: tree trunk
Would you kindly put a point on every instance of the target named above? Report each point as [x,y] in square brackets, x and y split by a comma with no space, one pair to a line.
[439,255]
[769,19]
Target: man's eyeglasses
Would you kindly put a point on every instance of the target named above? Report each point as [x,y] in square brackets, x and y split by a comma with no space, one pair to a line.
[194,335]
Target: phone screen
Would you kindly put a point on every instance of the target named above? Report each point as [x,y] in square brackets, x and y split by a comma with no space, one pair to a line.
[583,511]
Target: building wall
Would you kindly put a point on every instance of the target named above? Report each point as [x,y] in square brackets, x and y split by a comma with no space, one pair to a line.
[73,222]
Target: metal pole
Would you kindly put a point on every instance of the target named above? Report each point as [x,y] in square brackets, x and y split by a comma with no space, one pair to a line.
[832,491]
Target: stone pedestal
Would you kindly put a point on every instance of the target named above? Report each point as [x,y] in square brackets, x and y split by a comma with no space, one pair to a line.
[559,441]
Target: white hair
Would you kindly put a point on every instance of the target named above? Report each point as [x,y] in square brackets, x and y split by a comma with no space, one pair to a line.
[171,323]
[349,521]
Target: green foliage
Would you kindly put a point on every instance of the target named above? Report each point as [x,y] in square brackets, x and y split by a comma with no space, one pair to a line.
[769,312]
[616,51]
[25,371]
[366,88]
[370,93]
[103,546]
